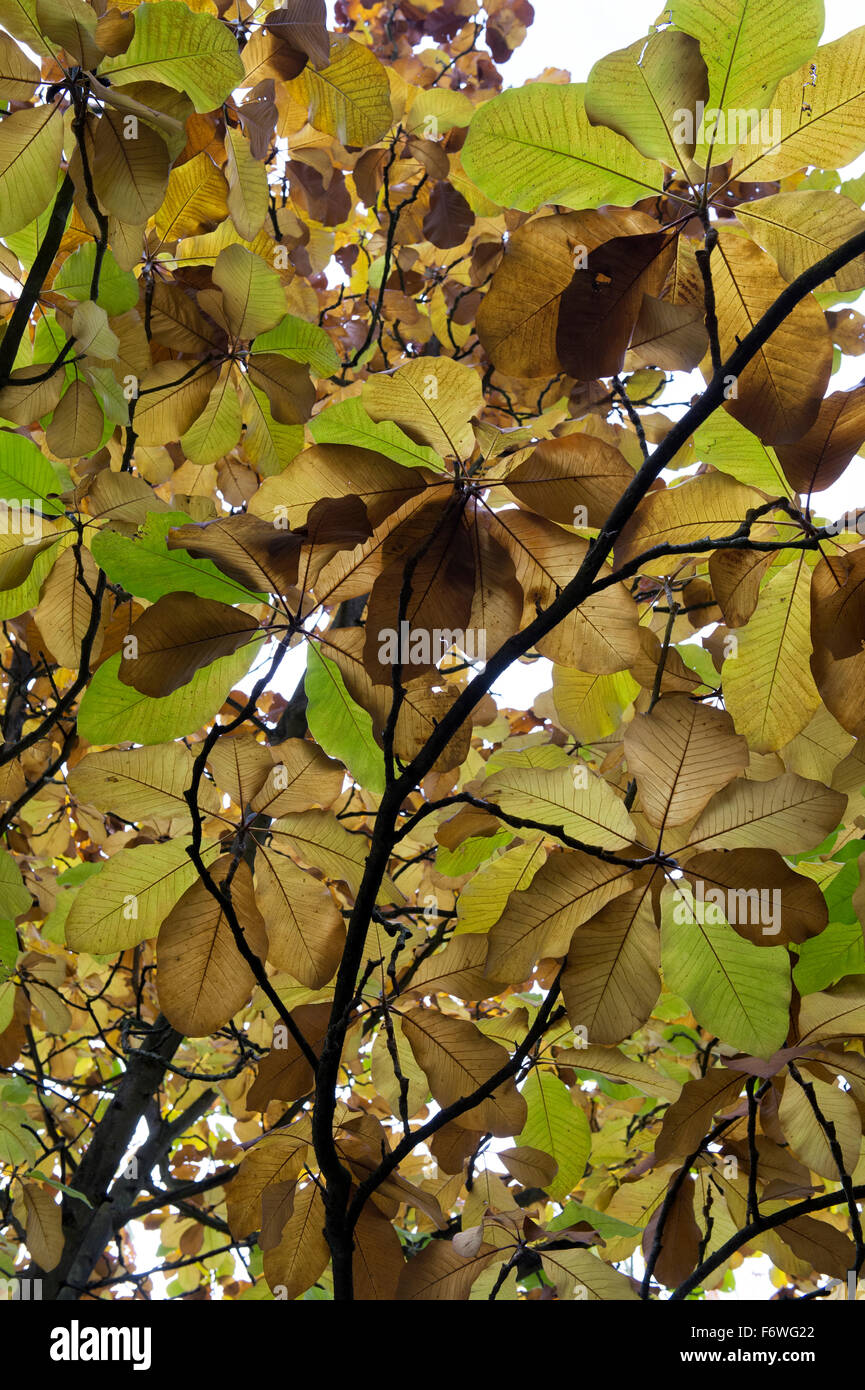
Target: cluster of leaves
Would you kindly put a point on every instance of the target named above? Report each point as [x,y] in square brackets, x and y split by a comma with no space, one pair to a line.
[378,989]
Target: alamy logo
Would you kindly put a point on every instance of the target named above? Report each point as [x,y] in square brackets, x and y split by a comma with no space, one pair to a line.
[76,1343]
[20,519]
[713,906]
[426,646]
[710,125]
[17,1290]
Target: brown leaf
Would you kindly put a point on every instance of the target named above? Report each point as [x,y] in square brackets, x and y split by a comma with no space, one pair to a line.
[690,1117]
[287,385]
[450,219]
[457,1059]
[680,1249]
[681,755]
[202,979]
[818,457]
[178,635]
[285,1074]
[575,479]
[600,308]
[262,557]
[611,981]
[772,905]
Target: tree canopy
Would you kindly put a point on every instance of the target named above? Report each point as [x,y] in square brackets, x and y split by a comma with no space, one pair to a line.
[336,379]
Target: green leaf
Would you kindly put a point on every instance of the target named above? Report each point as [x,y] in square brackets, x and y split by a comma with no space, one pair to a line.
[825,959]
[348,423]
[474,851]
[26,475]
[302,342]
[557,1126]
[17,1144]
[146,568]
[118,289]
[31,148]
[733,449]
[641,91]
[350,97]
[14,897]
[269,445]
[339,725]
[127,900]
[194,53]
[114,713]
[535,145]
[8,946]
[748,46]
[737,991]
[610,1227]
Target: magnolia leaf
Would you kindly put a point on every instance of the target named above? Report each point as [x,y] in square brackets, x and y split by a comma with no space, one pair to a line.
[642,91]
[302,1254]
[706,507]
[196,199]
[302,342]
[731,448]
[457,1059]
[172,395]
[590,706]
[575,479]
[305,929]
[192,52]
[536,145]
[519,314]
[556,1125]
[440,1272]
[320,840]
[738,992]
[747,49]
[579,1274]
[540,920]
[130,167]
[581,806]
[350,97]
[681,754]
[31,149]
[43,1226]
[778,394]
[247,185]
[178,635]
[806,1136]
[611,982]
[434,401]
[218,427]
[833,133]
[202,978]
[799,229]
[65,611]
[346,422]
[790,814]
[18,75]
[141,783]
[130,896]
[342,727]
[118,289]
[26,475]
[818,458]
[77,425]
[111,708]
[252,292]
[768,686]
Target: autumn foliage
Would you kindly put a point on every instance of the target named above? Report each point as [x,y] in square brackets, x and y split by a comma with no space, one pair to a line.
[335,380]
